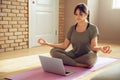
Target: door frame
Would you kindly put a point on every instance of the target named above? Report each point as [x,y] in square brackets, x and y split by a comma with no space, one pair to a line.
[30,21]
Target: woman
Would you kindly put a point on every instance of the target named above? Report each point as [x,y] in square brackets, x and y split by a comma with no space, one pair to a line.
[83,37]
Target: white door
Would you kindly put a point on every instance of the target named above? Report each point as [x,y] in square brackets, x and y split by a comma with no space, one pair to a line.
[43,21]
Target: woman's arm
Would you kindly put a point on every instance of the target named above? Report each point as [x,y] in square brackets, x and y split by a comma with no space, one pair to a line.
[63,45]
[95,47]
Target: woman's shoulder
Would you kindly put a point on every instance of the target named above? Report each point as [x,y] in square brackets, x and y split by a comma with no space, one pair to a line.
[73,26]
[92,26]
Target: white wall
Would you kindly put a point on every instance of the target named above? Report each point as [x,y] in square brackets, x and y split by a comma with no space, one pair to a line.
[93,7]
[109,21]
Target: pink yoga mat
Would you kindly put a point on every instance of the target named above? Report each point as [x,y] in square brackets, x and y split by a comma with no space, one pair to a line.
[39,74]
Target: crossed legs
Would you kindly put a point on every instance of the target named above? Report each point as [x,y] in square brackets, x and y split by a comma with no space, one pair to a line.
[69,58]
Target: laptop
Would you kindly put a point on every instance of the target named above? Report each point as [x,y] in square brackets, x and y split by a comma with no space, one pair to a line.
[54,65]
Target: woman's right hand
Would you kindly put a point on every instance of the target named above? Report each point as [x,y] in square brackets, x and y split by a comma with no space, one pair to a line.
[42,41]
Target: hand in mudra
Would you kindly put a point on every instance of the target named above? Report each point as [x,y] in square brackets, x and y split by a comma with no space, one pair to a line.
[106,49]
[42,41]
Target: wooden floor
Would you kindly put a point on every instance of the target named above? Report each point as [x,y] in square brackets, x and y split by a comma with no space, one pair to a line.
[26,59]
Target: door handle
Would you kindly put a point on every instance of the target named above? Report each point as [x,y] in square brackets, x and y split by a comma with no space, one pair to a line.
[33,2]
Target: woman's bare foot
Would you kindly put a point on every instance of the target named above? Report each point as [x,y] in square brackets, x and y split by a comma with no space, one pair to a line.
[83,65]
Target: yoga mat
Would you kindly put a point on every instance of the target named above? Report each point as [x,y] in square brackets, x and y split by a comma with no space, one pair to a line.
[39,74]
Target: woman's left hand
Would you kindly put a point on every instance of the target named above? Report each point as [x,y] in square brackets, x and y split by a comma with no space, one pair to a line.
[106,49]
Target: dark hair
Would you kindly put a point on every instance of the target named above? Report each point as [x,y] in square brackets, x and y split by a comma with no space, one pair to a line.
[83,8]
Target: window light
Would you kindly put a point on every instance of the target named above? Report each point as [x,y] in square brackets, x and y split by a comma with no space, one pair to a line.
[116,4]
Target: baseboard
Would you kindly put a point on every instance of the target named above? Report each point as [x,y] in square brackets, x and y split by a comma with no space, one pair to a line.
[111,42]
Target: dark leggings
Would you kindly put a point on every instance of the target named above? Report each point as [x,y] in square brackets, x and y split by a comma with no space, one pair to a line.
[69,57]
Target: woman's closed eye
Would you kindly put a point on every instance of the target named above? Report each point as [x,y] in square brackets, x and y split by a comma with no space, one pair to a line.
[79,14]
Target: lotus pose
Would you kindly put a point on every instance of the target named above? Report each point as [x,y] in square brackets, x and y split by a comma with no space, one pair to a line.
[83,36]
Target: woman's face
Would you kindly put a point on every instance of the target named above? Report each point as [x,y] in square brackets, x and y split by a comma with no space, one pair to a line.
[80,16]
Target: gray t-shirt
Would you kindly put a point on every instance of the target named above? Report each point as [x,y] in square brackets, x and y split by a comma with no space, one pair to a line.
[81,40]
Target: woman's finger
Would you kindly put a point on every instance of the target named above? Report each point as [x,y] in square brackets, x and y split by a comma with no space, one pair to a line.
[38,41]
[109,51]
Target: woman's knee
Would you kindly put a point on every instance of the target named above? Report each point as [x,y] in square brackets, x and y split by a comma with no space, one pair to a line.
[92,60]
[53,52]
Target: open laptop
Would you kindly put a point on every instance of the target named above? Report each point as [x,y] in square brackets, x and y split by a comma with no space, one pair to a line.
[54,65]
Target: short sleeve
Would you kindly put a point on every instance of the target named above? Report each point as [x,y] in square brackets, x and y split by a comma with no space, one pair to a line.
[69,33]
[94,32]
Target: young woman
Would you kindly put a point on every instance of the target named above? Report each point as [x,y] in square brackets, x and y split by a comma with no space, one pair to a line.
[83,37]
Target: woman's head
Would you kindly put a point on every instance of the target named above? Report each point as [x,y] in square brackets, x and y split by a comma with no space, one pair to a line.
[81,12]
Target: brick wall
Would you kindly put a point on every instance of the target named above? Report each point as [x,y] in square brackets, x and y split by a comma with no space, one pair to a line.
[61,21]
[14,24]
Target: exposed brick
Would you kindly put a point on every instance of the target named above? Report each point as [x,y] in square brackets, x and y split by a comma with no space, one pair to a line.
[25,32]
[61,21]
[21,36]
[16,18]
[20,7]
[11,14]
[21,29]
[25,46]
[14,28]
[8,33]
[23,11]
[1,34]
[3,22]
[18,40]
[5,46]
[3,14]
[11,7]
[25,39]
[21,0]
[21,22]
[3,30]
[1,26]
[19,47]
[24,26]
[2,42]
[6,2]
[7,26]
[23,4]
[9,49]
[26,0]
[23,43]
[18,33]
[0,18]
[26,8]
[7,18]
[9,41]
[2,50]
[3,38]
[15,3]
[12,37]
[3,6]
[6,10]
[23,18]
[14,45]
[15,11]
[20,15]
[12,22]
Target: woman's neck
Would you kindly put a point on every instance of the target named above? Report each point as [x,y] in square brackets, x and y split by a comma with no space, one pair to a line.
[82,24]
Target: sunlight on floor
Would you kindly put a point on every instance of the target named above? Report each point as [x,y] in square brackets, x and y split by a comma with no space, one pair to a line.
[20,63]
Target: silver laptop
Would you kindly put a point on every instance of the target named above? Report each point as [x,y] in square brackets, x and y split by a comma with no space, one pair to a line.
[54,65]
